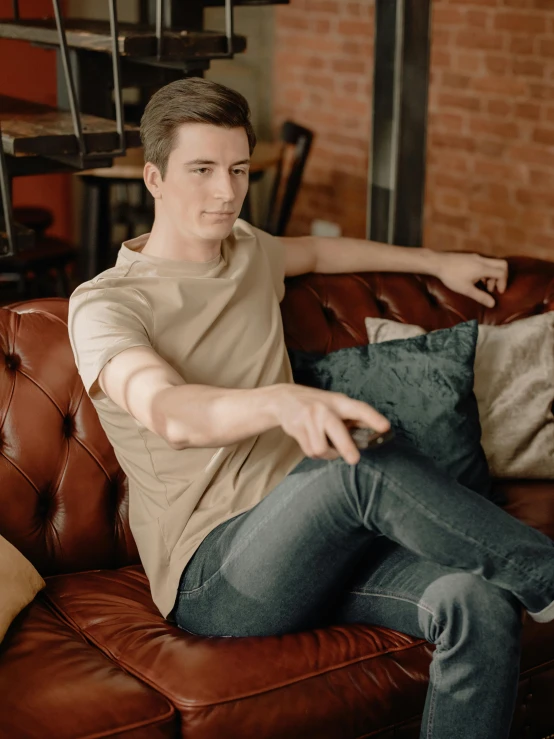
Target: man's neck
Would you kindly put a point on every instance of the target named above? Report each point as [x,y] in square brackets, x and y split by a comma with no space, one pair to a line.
[166,243]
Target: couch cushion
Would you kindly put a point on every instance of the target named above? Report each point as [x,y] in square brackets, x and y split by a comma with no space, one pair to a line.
[53,685]
[19,583]
[322,684]
[345,681]
[423,385]
[532,501]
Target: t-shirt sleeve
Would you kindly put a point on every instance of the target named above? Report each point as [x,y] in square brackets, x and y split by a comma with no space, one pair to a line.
[102,323]
[274,247]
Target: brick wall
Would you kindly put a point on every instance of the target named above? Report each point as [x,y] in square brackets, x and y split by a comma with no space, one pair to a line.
[490,152]
[490,181]
[323,80]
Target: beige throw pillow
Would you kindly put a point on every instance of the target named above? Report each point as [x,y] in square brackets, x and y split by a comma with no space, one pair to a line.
[19,583]
[514,387]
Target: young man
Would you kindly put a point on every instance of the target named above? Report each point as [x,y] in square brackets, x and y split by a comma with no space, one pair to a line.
[247,520]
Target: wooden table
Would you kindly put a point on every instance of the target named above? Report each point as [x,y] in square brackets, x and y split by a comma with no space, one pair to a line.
[96,221]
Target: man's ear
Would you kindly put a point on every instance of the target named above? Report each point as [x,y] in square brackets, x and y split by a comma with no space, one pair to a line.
[152,179]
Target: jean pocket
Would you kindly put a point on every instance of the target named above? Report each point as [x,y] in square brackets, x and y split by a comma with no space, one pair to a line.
[207,562]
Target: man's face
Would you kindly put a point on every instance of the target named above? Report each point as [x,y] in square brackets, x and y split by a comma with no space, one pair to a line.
[206,180]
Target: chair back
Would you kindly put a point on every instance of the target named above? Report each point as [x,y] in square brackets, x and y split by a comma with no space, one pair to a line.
[297,142]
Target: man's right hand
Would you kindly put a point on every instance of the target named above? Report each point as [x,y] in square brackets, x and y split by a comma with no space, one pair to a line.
[319,420]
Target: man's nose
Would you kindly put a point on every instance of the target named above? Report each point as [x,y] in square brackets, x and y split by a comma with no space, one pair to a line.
[224,187]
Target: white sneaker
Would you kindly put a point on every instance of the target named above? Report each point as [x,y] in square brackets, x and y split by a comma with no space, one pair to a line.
[544,616]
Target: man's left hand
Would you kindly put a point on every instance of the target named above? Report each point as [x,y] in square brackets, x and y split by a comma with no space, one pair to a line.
[461,272]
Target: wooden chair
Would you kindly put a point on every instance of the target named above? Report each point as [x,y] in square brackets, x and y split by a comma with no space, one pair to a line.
[297,142]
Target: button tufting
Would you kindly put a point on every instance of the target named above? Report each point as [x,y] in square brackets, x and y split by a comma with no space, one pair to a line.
[67,426]
[43,505]
[12,362]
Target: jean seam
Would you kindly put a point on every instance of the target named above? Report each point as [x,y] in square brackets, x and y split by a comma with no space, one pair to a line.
[433,701]
[399,596]
[467,537]
[242,545]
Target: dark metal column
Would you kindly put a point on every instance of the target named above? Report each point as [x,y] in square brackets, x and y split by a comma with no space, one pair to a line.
[400,90]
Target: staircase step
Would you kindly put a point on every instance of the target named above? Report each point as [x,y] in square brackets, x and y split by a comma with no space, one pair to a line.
[35,128]
[135,40]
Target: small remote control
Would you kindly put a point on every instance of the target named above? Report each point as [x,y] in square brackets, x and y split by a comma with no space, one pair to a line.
[366,438]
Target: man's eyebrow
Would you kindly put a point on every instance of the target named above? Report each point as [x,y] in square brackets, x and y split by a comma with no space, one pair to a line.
[209,161]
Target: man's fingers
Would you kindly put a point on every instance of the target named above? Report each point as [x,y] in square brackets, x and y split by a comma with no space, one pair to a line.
[497,269]
[363,415]
[342,441]
[481,297]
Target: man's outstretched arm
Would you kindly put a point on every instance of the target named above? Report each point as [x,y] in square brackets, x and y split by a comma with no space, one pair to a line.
[458,271]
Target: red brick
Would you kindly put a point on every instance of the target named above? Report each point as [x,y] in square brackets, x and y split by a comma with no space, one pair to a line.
[541,91]
[452,141]
[500,129]
[514,235]
[493,170]
[464,3]
[459,100]
[500,85]
[452,220]
[492,208]
[298,22]
[497,63]
[488,148]
[544,136]
[519,22]
[531,154]
[444,15]
[477,18]
[451,201]
[357,48]
[522,44]
[546,47]
[448,121]
[357,9]
[530,111]
[468,62]
[455,80]
[540,179]
[321,25]
[529,67]
[322,6]
[355,28]
[440,59]
[350,66]
[535,197]
[475,39]
[499,107]
[532,218]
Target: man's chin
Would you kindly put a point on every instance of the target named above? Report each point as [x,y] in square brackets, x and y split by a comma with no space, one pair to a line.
[218,230]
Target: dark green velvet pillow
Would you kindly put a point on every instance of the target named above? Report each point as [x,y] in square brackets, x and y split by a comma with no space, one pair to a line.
[423,385]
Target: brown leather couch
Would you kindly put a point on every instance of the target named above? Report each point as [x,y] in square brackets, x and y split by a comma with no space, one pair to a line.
[91,657]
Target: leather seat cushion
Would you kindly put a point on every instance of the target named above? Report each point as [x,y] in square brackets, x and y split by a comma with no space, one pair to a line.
[53,685]
[340,681]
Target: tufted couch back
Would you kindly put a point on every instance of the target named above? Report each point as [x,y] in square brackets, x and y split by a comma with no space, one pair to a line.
[63,497]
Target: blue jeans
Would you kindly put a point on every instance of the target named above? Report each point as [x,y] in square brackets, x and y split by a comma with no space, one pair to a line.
[391,541]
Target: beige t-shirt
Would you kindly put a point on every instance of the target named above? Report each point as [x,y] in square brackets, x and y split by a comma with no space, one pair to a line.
[217,323]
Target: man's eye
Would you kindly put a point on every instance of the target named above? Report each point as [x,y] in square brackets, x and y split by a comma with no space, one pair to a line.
[240,171]
[201,170]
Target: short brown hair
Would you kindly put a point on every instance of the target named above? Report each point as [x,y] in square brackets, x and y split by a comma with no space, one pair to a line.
[190,100]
